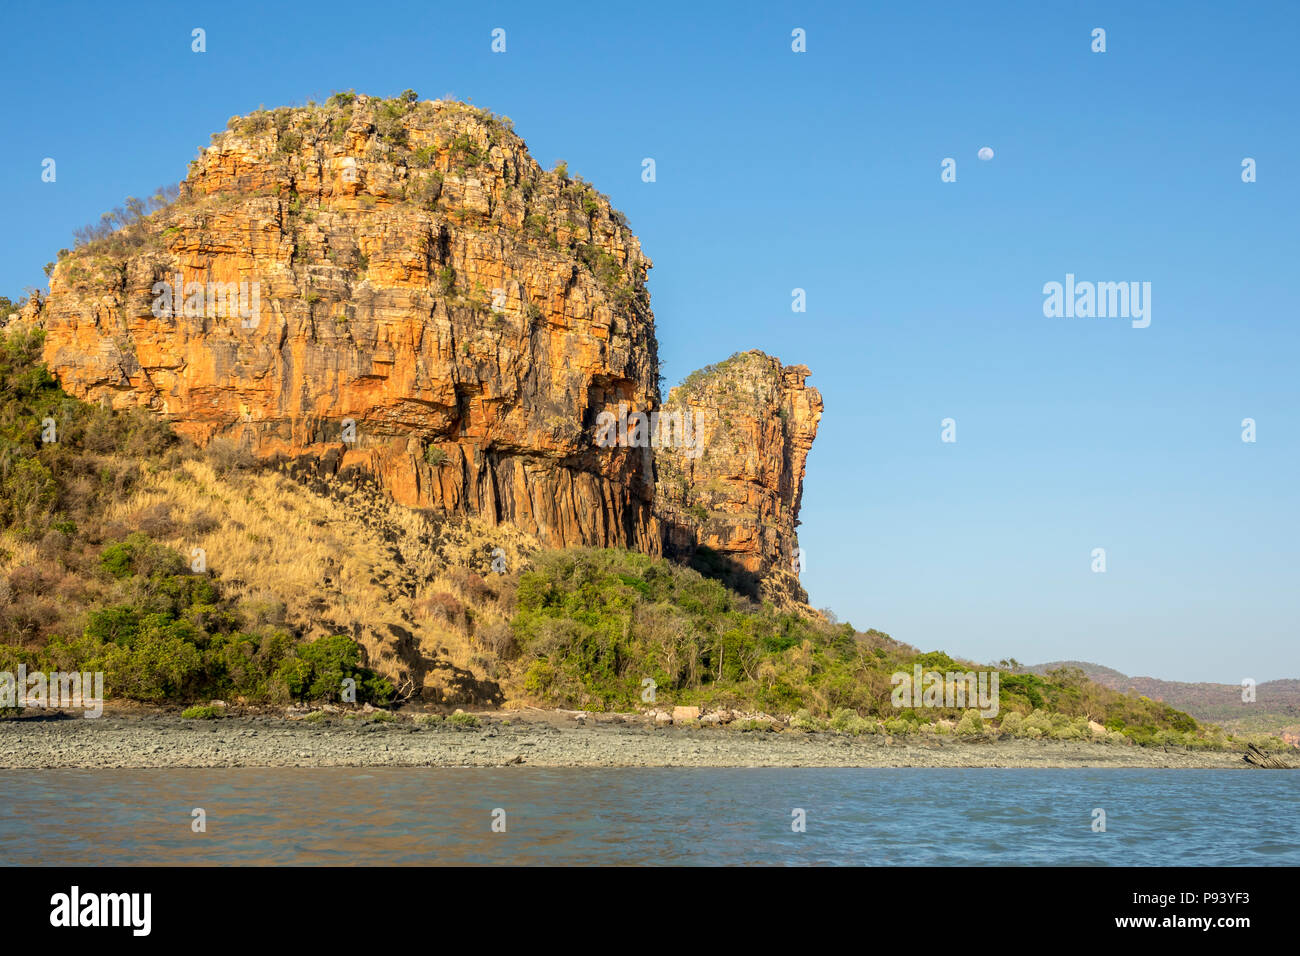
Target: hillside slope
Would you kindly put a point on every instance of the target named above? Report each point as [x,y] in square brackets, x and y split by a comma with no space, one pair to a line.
[1275,709]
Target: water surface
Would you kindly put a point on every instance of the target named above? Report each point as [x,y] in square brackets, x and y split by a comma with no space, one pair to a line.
[877,817]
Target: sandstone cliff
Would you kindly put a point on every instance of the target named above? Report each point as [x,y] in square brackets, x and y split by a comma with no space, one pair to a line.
[397,287]
[735,507]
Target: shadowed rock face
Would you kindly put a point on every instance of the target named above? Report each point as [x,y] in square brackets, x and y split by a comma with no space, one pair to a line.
[408,268]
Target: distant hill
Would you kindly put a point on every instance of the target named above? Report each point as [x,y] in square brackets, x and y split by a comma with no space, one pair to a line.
[1276,707]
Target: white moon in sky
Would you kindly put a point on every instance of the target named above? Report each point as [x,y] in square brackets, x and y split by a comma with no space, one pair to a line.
[985,153]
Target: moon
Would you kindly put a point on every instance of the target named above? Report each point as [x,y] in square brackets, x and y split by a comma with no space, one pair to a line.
[985,153]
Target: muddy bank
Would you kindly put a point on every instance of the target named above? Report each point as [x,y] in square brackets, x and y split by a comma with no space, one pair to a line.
[141,738]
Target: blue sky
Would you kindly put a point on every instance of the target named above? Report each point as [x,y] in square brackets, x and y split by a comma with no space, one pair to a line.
[821,171]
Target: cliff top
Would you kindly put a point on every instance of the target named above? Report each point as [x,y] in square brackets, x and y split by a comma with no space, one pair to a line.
[357,154]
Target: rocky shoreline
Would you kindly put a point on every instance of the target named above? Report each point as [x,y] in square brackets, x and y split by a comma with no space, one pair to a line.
[139,738]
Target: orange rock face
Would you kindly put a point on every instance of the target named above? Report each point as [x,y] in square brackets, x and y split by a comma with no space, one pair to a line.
[736,505]
[398,287]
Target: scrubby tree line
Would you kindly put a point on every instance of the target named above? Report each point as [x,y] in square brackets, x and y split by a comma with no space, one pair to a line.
[591,626]
[131,212]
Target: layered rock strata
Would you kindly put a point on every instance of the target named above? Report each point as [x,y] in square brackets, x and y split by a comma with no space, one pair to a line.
[397,287]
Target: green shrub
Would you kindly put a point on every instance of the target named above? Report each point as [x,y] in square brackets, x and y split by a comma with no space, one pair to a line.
[970,725]
[447,280]
[1022,689]
[159,666]
[609,273]
[137,554]
[539,677]
[937,661]
[320,667]
[116,624]
[203,713]
[247,664]
[1039,721]
[465,153]
[389,123]
[173,637]
[841,719]
[850,722]
[461,719]
[425,191]
[30,492]
[804,720]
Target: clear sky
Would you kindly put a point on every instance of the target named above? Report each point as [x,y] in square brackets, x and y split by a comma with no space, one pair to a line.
[821,170]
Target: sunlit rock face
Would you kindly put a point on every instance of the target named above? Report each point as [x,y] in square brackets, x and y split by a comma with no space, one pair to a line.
[735,505]
[397,287]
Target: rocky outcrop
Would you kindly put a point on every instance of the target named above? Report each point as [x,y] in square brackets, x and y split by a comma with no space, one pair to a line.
[403,266]
[1264,760]
[733,505]
[396,287]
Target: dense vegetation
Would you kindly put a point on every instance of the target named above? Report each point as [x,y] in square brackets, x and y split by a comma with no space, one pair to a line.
[168,636]
[592,625]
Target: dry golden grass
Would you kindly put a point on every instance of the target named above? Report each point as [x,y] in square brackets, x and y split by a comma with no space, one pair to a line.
[349,561]
[16,553]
